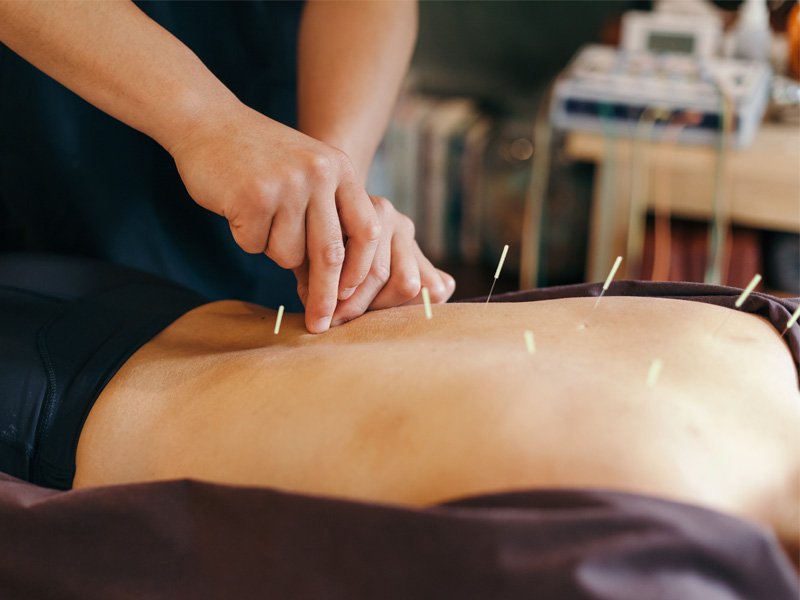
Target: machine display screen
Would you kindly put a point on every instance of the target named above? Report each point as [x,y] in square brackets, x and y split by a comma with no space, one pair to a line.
[682,43]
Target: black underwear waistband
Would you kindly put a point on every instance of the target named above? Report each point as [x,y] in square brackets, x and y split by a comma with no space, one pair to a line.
[66,327]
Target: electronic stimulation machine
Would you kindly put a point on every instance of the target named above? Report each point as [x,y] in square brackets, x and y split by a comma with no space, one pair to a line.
[666,62]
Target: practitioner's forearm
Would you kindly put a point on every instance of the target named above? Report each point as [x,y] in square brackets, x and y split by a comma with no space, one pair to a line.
[118,59]
[352,58]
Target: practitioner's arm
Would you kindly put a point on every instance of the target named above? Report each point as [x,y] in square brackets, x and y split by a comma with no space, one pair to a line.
[283,192]
[352,58]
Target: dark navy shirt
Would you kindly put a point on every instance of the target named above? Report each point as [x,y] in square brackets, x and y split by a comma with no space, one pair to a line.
[75,181]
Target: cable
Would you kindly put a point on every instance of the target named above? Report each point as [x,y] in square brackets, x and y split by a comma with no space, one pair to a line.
[606,203]
[662,205]
[718,245]
[640,171]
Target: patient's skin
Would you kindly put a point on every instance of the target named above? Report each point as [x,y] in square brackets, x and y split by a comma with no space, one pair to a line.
[396,408]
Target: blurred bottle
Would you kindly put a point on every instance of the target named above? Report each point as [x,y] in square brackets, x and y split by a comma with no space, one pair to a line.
[753,35]
[793,38]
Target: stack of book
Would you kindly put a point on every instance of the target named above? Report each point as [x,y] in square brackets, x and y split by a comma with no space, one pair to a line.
[431,166]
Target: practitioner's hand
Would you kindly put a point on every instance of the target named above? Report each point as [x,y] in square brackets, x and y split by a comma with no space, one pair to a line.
[293,198]
[397,273]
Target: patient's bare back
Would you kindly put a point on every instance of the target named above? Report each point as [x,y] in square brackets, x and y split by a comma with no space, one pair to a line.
[395,407]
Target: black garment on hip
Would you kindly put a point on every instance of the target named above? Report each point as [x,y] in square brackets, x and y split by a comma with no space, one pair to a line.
[66,326]
[75,181]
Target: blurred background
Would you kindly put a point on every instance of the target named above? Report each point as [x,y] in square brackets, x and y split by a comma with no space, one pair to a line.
[574,131]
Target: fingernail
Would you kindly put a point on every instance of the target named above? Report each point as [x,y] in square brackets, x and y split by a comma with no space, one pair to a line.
[322,325]
[338,321]
[346,293]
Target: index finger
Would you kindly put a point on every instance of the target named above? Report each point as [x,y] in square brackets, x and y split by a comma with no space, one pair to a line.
[361,225]
[325,258]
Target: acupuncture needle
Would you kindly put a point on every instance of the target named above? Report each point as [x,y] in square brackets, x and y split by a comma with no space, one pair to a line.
[740,300]
[792,321]
[426,300]
[278,320]
[605,287]
[497,273]
[653,373]
[529,344]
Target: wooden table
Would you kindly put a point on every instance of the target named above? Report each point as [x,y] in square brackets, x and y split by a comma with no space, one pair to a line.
[761,187]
